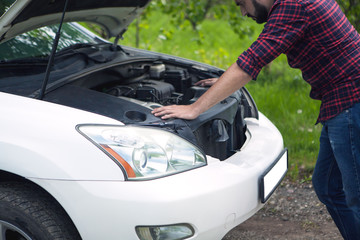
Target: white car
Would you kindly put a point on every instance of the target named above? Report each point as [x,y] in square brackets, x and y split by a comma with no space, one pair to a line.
[81,155]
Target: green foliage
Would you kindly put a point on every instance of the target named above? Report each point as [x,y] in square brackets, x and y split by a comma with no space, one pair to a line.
[194,13]
[351,9]
[231,13]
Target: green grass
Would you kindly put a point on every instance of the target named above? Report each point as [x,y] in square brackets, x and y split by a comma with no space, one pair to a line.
[280,93]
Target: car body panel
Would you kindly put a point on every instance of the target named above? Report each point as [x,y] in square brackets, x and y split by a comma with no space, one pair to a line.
[25,15]
[45,135]
[212,199]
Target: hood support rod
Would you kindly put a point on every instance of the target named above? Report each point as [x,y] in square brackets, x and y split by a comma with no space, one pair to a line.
[52,55]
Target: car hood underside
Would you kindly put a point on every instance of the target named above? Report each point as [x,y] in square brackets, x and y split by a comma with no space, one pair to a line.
[113,15]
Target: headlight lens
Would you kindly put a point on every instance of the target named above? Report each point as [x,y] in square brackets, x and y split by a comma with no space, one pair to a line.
[145,153]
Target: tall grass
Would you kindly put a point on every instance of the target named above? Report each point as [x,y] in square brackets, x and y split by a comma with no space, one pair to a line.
[280,93]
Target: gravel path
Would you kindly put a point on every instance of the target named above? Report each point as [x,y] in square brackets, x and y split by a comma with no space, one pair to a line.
[293,212]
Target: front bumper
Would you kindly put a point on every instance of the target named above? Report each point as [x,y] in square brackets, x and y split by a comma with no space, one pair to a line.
[212,199]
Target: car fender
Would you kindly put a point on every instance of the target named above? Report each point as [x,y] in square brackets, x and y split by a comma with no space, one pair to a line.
[39,140]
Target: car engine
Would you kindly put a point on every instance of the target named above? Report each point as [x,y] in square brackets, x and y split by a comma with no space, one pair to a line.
[129,93]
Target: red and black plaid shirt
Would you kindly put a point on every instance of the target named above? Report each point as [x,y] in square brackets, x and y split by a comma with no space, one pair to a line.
[319,40]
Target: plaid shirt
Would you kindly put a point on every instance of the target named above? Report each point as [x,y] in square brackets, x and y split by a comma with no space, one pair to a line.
[319,40]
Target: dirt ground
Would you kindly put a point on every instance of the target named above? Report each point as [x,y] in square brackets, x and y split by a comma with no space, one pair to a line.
[293,212]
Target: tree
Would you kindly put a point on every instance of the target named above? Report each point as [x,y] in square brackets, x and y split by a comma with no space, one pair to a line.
[195,12]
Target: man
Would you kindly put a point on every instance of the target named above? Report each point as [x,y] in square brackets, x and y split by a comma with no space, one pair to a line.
[318,39]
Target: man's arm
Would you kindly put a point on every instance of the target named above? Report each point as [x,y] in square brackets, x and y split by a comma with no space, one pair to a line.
[233,79]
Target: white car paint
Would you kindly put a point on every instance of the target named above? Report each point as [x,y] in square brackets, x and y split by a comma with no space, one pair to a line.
[39,142]
[90,187]
[92,190]
[44,135]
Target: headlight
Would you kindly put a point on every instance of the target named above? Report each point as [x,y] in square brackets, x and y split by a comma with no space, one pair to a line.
[145,153]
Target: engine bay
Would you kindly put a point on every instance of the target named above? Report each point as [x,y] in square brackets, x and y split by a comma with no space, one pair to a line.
[129,92]
[158,85]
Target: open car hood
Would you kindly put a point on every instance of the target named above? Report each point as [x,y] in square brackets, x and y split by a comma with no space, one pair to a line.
[113,15]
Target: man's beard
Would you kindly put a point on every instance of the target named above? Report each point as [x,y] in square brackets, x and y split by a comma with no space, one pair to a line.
[261,12]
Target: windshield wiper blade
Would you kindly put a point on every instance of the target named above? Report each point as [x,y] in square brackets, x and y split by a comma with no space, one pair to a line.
[74,47]
[52,55]
[98,53]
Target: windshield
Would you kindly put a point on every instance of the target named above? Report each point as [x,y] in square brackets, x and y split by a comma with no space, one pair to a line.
[38,43]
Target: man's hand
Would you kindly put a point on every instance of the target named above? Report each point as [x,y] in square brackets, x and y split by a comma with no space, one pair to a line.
[176,111]
[182,111]
[233,79]
[206,82]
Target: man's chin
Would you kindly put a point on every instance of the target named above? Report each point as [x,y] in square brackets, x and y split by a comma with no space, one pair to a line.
[258,20]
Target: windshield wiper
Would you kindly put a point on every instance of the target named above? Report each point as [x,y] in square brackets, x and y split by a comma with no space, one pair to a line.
[99,53]
[52,55]
[75,47]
